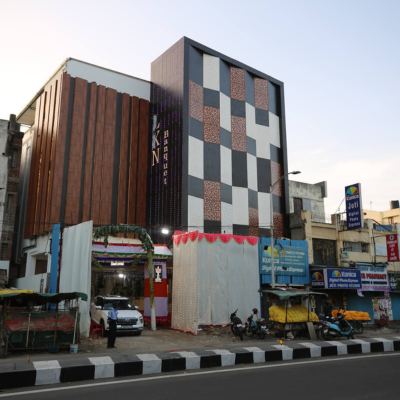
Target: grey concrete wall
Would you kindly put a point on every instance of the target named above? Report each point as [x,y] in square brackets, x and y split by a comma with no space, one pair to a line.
[312,195]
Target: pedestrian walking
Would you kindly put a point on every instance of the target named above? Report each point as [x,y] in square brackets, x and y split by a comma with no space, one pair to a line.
[112,326]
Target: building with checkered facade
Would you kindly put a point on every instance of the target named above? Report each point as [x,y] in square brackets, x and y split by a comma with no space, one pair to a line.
[219,140]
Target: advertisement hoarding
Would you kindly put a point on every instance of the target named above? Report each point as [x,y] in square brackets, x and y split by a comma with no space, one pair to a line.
[288,260]
[374,278]
[354,212]
[392,246]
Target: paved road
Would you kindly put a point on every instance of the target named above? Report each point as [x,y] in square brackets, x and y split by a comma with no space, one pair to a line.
[345,378]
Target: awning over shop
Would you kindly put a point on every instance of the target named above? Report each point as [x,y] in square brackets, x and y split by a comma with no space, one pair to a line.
[287,294]
[126,252]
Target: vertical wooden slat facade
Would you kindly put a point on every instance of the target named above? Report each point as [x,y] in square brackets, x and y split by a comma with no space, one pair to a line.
[89,156]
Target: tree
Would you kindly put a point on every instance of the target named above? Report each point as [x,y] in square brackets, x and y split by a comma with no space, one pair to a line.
[148,247]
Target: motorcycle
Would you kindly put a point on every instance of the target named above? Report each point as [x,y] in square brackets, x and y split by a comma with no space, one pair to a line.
[257,327]
[334,329]
[236,325]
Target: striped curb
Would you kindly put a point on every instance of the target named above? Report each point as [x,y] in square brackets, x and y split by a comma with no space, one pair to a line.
[17,375]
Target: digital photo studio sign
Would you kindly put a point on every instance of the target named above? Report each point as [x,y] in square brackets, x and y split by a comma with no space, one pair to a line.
[354,212]
[332,278]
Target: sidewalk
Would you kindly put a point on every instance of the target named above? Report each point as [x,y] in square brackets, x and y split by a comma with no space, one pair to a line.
[170,340]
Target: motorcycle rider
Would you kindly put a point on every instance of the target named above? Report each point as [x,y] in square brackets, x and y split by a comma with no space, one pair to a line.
[327,309]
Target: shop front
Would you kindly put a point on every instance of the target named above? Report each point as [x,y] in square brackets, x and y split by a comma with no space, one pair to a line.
[337,283]
[121,269]
[374,296]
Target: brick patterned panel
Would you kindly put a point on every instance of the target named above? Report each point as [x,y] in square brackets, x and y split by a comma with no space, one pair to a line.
[212,210]
[211,125]
[253,222]
[238,90]
[195,101]
[212,191]
[279,225]
[238,126]
[276,173]
[261,93]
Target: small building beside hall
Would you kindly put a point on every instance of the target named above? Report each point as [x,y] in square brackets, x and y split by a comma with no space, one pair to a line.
[388,217]
[359,255]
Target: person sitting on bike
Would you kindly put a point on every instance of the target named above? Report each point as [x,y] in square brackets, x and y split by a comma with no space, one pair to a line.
[327,309]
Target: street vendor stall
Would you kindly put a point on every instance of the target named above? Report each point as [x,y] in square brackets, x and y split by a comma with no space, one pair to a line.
[32,320]
[290,317]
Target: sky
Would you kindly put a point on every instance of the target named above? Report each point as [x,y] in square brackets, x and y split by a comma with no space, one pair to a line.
[339,61]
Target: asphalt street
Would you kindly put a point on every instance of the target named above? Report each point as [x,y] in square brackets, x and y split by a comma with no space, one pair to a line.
[347,377]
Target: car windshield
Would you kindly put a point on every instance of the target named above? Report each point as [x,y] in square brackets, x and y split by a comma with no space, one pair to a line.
[121,304]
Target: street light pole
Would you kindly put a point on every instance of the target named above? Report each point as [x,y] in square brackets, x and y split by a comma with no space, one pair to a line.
[271,208]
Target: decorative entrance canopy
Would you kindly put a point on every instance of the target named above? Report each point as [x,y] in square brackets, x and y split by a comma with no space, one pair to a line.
[126,252]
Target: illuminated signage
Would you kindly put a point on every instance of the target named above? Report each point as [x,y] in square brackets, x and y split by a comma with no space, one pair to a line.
[156,145]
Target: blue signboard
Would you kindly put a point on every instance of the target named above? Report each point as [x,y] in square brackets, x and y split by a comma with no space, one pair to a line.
[354,212]
[288,260]
[317,279]
[343,278]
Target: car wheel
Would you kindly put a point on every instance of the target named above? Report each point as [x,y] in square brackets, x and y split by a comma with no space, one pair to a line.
[138,333]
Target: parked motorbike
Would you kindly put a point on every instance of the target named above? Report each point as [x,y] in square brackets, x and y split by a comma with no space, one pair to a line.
[236,325]
[334,329]
[257,327]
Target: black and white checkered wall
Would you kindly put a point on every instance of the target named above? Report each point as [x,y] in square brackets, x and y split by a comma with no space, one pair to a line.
[234,148]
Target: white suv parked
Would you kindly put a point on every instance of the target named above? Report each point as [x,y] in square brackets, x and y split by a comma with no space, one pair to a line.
[129,319]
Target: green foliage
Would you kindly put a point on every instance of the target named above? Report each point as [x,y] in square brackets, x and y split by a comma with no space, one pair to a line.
[96,264]
[114,230]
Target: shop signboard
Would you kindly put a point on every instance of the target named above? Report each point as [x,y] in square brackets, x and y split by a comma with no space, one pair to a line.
[392,246]
[317,279]
[288,260]
[354,213]
[393,284]
[374,278]
[342,278]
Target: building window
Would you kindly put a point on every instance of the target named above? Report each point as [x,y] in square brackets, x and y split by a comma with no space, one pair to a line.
[324,252]
[356,247]
[297,204]
[14,158]
[4,251]
[390,220]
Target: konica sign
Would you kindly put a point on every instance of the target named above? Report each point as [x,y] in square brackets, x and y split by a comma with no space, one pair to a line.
[288,260]
[331,278]
[354,212]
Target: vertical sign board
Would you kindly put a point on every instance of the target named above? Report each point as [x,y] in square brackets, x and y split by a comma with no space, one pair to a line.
[354,213]
[392,246]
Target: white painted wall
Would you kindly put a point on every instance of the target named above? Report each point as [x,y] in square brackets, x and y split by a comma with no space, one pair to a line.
[29,283]
[41,249]
[102,76]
